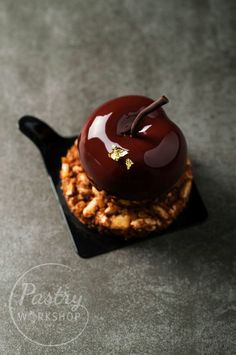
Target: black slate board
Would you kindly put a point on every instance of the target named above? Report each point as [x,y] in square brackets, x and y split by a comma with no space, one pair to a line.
[90,243]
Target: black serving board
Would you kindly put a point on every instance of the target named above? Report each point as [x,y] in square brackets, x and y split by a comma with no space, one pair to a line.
[90,243]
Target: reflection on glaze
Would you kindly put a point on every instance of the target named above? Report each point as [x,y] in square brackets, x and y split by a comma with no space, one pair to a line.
[145,128]
[163,153]
[98,130]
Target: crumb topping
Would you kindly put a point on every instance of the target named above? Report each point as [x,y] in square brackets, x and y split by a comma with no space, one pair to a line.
[109,214]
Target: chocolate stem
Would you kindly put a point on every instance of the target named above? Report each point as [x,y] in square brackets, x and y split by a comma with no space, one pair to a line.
[158,103]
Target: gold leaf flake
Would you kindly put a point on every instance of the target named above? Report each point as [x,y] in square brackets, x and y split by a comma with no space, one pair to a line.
[117,153]
[128,163]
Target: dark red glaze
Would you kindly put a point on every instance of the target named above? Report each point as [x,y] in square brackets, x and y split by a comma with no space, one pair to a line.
[158,150]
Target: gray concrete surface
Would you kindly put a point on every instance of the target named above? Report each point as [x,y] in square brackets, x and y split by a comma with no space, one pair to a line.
[58,61]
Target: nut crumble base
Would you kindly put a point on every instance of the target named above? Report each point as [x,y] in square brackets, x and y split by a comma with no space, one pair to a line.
[109,214]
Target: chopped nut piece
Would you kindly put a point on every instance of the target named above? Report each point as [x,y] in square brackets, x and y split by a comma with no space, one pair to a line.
[65,167]
[111,209]
[120,222]
[103,220]
[79,207]
[95,191]
[70,189]
[64,174]
[91,208]
[160,210]
[82,178]
[137,223]
[84,191]
[172,210]
[76,169]
[100,201]
[151,221]
[186,189]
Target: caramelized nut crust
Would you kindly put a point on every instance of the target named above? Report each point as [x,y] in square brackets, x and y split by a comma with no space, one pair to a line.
[109,214]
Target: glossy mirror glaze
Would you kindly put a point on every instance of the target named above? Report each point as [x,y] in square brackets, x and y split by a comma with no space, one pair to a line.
[158,149]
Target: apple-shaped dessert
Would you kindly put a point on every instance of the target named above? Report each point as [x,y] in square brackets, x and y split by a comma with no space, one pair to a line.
[131,149]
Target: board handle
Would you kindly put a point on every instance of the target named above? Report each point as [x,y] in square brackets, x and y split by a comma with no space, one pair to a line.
[40,133]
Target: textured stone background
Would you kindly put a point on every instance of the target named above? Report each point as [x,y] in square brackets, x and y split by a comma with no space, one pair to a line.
[59,60]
